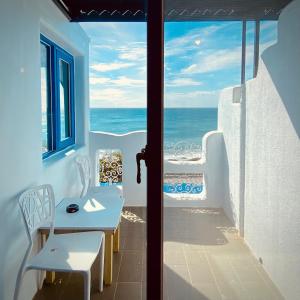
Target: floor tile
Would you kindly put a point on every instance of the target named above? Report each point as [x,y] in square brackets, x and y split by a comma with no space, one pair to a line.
[201,273]
[134,243]
[204,259]
[131,267]
[194,257]
[207,291]
[174,258]
[126,291]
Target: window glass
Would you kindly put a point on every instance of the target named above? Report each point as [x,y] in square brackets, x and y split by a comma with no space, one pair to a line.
[64,94]
[57,98]
[45,93]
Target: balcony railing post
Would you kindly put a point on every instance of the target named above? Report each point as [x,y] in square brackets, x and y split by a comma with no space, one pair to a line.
[243,68]
[256,47]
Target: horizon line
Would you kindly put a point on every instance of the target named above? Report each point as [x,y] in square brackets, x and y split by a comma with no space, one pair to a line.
[164,107]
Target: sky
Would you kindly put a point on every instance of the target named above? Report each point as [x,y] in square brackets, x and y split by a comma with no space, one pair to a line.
[201,58]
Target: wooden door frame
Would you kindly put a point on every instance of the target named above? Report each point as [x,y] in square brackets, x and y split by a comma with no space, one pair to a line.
[155,106]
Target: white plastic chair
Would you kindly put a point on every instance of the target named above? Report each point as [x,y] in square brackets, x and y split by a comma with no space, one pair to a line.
[72,252]
[84,168]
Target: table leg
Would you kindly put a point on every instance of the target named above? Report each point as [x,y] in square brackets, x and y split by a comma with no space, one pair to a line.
[50,277]
[108,258]
[117,240]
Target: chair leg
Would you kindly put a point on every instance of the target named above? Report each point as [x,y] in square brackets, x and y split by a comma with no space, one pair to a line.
[101,267]
[41,279]
[42,274]
[19,283]
[87,285]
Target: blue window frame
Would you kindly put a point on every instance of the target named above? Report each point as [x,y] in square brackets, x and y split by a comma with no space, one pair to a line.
[57,96]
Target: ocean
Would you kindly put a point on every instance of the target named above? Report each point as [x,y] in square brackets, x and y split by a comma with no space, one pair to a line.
[183,127]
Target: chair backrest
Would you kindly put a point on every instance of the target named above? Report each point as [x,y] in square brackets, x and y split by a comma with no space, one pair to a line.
[38,207]
[84,168]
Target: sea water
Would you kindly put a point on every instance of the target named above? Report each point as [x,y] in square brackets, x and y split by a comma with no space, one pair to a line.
[184,128]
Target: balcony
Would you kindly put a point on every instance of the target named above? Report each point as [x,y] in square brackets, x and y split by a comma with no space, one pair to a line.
[204,258]
[233,235]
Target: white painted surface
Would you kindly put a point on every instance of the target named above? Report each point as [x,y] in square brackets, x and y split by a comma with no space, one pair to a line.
[21,23]
[135,194]
[210,166]
[213,180]
[229,118]
[129,144]
[272,157]
[183,166]
[61,252]
[95,213]
[272,206]
[272,209]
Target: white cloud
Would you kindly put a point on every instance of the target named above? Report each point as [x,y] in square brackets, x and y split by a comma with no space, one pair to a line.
[190,41]
[273,25]
[115,97]
[142,71]
[132,53]
[217,60]
[136,97]
[192,99]
[104,67]
[179,82]
[99,46]
[107,92]
[125,81]
[99,80]
[120,81]
[190,69]
[266,45]
[222,59]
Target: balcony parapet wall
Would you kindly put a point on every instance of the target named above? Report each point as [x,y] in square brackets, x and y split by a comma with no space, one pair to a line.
[135,194]
[129,144]
[209,165]
[231,121]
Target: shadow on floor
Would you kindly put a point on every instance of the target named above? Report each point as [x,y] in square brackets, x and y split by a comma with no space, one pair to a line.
[204,259]
[201,226]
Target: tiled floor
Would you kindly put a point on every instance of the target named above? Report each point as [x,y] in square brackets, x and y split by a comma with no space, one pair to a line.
[204,259]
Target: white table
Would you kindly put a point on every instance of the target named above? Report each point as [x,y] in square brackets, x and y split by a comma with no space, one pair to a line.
[95,213]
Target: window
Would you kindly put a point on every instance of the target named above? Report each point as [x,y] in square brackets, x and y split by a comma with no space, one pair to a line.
[57,98]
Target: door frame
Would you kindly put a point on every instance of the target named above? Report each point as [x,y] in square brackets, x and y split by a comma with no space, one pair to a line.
[155,114]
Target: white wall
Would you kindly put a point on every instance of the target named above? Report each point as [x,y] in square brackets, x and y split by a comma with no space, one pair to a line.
[21,22]
[135,194]
[272,156]
[229,119]
[129,144]
[272,206]
[210,166]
